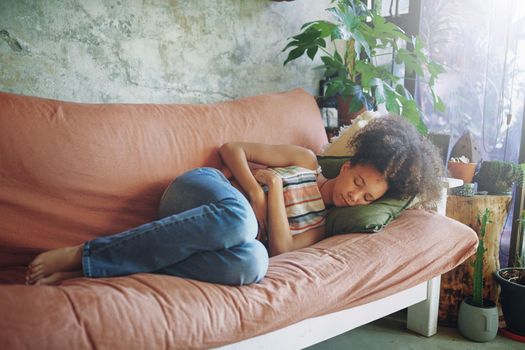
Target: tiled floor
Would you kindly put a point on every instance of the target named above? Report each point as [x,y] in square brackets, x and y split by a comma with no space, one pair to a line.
[390,334]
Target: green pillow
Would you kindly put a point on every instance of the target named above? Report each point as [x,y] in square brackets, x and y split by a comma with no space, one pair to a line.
[330,165]
[372,217]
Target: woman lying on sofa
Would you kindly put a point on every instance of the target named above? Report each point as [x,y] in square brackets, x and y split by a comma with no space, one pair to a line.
[213,229]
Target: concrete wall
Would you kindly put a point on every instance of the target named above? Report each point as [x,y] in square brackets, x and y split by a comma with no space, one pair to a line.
[152,50]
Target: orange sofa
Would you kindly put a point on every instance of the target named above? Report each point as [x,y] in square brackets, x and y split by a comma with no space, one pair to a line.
[70,172]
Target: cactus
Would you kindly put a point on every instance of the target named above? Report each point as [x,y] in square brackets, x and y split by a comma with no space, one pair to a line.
[477,291]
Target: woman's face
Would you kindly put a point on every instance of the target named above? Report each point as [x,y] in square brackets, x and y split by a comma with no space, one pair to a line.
[357,185]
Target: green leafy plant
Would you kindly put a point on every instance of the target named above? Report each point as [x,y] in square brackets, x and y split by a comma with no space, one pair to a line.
[359,72]
[477,283]
[497,177]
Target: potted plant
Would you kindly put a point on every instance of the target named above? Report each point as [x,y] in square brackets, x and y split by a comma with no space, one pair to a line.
[497,177]
[478,317]
[512,297]
[462,168]
[358,72]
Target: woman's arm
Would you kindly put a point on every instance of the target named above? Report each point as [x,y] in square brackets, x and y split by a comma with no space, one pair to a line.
[280,238]
[236,156]
[269,155]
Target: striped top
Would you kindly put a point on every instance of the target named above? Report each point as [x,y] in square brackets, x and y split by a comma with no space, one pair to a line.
[304,205]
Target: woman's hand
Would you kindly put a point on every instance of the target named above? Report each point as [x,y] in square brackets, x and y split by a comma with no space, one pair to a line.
[260,204]
[237,155]
[267,177]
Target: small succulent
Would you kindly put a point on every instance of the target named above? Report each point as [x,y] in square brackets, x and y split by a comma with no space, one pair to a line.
[497,177]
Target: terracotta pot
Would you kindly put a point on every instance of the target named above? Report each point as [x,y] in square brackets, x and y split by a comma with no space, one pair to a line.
[463,171]
[345,117]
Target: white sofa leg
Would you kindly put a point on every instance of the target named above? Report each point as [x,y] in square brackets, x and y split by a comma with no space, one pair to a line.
[422,317]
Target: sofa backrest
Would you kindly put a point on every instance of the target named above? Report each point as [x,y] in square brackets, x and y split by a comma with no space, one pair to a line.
[70,172]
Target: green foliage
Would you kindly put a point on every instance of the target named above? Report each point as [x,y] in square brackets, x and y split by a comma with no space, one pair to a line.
[497,176]
[520,260]
[356,73]
[477,290]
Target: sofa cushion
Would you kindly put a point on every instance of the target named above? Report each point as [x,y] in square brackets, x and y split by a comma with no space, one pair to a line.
[164,312]
[70,172]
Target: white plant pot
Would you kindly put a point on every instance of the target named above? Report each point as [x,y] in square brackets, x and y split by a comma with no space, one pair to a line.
[478,323]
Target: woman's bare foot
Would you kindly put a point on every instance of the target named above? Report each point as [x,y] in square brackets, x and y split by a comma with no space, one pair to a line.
[56,277]
[56,260]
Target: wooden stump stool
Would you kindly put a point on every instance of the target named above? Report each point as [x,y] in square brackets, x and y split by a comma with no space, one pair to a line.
[457,284]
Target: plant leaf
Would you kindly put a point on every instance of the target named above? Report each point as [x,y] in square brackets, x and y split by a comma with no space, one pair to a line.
[434,69]
[387,32]
[379,90]
[355,105]
[360,41]
[294,54]
[412,64]
[400,89]
[325,28]
[290,44]
[337,57]
[439,106]
[334,87]
[311,51]
[411,112]
[392,103]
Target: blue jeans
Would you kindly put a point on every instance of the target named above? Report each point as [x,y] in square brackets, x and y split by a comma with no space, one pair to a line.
[208,235]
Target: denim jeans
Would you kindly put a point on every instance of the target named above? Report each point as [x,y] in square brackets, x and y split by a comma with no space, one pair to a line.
[208,234]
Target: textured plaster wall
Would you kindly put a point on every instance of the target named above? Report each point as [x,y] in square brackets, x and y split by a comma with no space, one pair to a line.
[152,50]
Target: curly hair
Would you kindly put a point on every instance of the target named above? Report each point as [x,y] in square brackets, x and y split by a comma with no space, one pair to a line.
[407,159]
